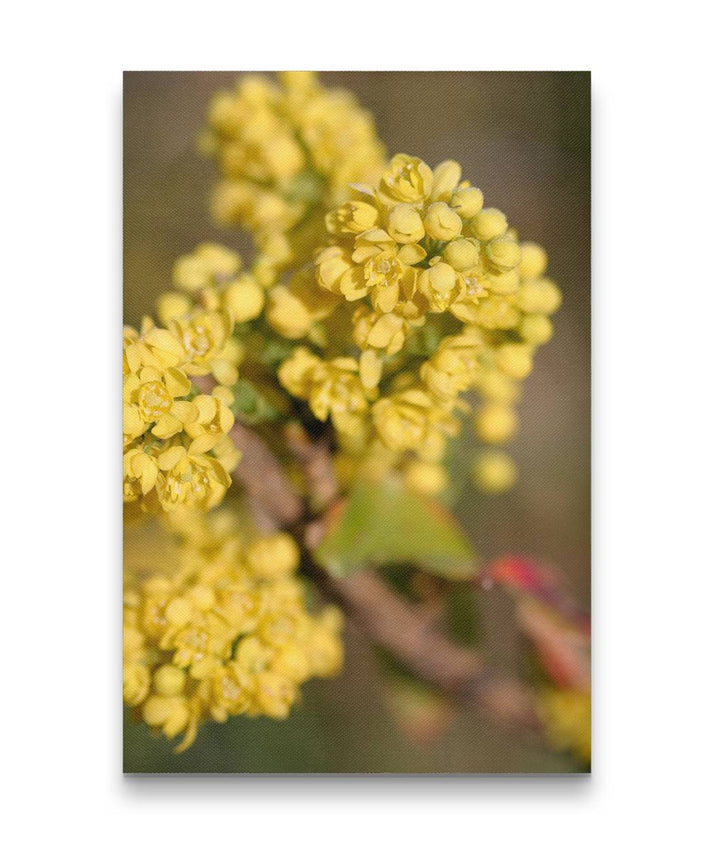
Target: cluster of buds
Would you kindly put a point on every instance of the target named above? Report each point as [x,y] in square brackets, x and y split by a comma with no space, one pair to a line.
[421,295]
[176,450]
[221,628]
[286,152]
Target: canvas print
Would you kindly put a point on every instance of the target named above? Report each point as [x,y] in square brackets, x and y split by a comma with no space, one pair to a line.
[356,422]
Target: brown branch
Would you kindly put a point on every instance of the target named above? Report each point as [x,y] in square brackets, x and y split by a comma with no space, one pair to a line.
[273,500]
[388,620]
[405,630]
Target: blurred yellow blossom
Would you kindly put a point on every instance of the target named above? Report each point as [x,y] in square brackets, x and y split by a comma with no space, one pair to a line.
[220,627]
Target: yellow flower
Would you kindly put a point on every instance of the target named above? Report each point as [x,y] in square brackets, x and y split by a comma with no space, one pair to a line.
[244,299]
[461,254]
[446,177]
[426,477]
[503,253]
[407,179]
[467,201]
[441,222]
[136,683]
[203,335]
[172,305]
[207,265]
[536,329]
[451,368]
[232,691]
[494,312]
[441,285]
[169,680]
[286,154]
[515,360]
[494,472]
[275,694]
[274,556]
[352,218]
[405,224]
[224,632]
[171,715]
[140,471]
[293,309]
[488,224]
[407,420]
[496,386]
[385,331]
[150,399]
[383,273]
[210,421]
[336,388]
[156,347]
[540,296]
[296,373]
[496,424]
[533,260]
[186,480]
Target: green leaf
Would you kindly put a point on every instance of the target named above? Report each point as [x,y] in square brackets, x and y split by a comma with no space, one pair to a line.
[385,523]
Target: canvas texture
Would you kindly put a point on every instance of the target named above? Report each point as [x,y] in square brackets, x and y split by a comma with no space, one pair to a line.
[356,422]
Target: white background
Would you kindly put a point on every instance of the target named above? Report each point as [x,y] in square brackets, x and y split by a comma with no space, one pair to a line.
[655,327]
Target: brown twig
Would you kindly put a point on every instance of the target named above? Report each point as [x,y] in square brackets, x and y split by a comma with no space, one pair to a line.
[388,619]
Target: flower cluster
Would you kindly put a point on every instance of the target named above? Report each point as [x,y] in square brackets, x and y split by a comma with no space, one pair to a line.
[221,628]
[176,450]
[421,295]
[286,153]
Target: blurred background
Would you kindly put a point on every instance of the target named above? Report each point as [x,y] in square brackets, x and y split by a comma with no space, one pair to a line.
[524,139]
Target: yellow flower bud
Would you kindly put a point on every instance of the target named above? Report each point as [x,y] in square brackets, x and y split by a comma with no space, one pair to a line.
[441,222]
[439,284]
[207,264]
[461,254]
[503,253]
[498,387]
[351,218]
[171,714]
[467,201]
[301,80]
[136,683]
[515,360]
[296,373]
[244,299]
[446,177]
[488,224]
[172,305]
[287,314]
[504,282]
[407,179]
[190,273]
[494,472]
[274,556]
[169,680]
[425,477]
[330,266]
[405,224]
[276,693]
[536,329]
[370,369]
[533,260]
[540,296]
[496,424]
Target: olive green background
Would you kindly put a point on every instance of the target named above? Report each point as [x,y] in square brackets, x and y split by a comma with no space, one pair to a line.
[524,139]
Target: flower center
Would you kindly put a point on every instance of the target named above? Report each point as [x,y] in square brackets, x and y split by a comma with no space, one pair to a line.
[153,400]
